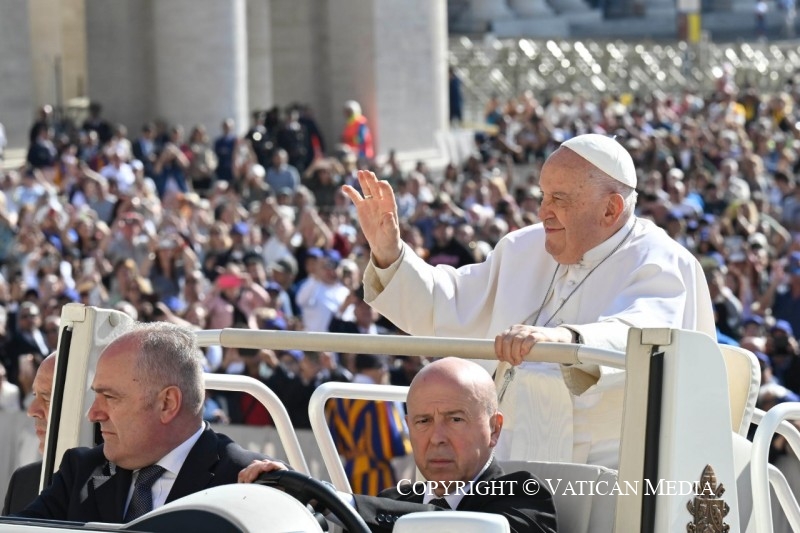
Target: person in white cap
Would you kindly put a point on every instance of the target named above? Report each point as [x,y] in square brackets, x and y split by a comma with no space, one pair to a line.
[586,274]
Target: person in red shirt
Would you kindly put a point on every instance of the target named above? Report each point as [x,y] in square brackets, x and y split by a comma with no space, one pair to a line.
[356,133]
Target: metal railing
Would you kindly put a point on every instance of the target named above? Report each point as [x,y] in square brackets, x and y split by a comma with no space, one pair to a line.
[319,423]
[552,352]
[379,344]
[274,406]
[769,423]
[506,68]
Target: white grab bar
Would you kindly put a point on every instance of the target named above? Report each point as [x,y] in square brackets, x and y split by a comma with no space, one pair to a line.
[785,496]
[319,424]
[785,429]
[770,423]
[274,406]
[552,352]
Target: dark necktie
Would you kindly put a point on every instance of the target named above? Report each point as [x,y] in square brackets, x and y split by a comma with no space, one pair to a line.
[440,502]
[142,499]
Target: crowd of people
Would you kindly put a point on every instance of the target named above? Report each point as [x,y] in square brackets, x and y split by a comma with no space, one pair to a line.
[216,230]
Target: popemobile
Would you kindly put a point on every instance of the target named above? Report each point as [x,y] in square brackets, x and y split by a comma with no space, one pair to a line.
[685,461]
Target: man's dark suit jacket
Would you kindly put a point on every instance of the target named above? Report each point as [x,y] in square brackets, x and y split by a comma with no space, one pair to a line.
[88,488]
[23,488]
[15,346]
[525,513]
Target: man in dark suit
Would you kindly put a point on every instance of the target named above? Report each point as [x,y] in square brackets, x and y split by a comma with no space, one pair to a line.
[25,338]
[494,491]
[454,425]
[145,148]
[23,487]
[149,395]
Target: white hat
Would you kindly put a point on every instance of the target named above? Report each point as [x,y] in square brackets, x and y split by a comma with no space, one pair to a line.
[606,154]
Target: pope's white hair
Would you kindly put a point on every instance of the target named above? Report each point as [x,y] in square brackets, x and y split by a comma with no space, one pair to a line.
[604,183]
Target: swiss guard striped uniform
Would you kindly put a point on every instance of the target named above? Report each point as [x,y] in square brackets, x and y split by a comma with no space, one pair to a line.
[368,434]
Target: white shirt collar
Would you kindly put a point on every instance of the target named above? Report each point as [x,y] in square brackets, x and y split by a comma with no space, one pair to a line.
[173,461]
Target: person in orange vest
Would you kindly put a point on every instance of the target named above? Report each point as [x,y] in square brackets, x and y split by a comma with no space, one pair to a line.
[356,133]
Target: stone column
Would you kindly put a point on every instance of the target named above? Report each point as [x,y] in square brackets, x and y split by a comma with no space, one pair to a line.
[259,54]
[46,52]
[119,60]
[200,61]
[73,60]
[16,96]
[402,89]
[299,38]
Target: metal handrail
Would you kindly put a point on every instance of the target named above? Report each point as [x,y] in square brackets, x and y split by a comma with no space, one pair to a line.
[770,423]
[567,354]
[785,496]
[551,352]
[319,424]
[274,406]
[785,429]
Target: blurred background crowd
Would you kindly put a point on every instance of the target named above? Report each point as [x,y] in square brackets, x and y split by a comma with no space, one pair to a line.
[209,229]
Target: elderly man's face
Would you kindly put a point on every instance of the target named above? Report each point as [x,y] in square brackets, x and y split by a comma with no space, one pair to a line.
[127,410]
[451,433]
[572,211]
[39,408]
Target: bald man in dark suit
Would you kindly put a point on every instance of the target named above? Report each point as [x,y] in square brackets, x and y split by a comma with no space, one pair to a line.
[454,423]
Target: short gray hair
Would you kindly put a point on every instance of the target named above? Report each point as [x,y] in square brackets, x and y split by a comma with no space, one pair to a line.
[604,183]
[169,356]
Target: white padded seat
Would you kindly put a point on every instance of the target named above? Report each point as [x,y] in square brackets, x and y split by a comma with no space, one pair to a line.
[592,512]
[744,380]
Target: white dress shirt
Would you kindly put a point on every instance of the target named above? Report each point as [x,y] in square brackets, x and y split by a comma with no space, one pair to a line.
[172,463]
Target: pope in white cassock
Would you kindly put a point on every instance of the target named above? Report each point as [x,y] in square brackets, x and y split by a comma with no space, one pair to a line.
[587,273]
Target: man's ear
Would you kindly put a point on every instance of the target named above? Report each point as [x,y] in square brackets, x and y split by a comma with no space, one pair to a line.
[495,424]
[169,403]
[614,208]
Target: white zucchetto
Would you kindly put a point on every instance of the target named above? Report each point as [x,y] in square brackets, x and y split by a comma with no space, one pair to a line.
[606,154]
